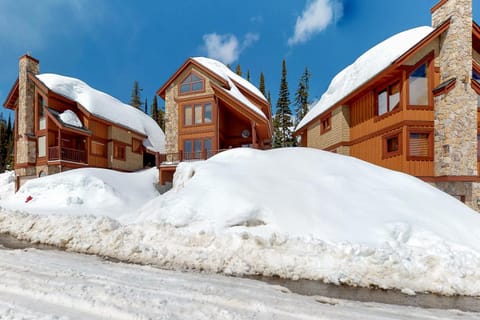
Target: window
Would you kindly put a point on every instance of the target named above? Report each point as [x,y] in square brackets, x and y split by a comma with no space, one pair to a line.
[418,87]
[119,151]
[197,148]
[42,147]
[392,145]
[98,148]
[420,145]
[41,112]
[388,99]
[197,114]
[192,83]
[136,146]
[326,123]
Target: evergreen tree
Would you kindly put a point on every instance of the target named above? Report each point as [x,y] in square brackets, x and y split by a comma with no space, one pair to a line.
[146,106]
[158,114]
[282,123]
[136,100]
[301,96]
[9,157]
[238,70]
[261,85]
[248,75]
[269,97]
[3,143]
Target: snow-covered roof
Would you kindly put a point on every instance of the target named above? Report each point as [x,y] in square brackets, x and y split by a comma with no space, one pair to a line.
[231,78]
[107,107]
[367,66]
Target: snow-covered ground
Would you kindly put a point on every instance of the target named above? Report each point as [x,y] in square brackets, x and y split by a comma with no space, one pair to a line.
[58,285]
[294,213]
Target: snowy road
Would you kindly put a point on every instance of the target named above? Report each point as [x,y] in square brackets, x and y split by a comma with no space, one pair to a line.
[59,285]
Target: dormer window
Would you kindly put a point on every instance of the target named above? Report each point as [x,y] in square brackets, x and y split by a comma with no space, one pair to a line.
[192,83]
[418,86]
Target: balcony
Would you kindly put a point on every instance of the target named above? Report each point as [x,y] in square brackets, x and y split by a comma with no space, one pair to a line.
[67,154]
[186,156]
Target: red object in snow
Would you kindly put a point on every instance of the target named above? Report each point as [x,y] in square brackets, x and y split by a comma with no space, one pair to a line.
[28,199]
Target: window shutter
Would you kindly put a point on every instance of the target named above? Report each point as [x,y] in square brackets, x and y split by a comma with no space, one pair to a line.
[419,146]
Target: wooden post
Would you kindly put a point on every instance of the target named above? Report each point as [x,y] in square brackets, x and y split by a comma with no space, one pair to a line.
[254,135]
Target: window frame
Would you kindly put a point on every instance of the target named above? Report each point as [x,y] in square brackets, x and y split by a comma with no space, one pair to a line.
[191,91]
[429,69]
[192,153]
[140,145]
[326,123]
[385,138]
[40,103]
[430,133]
[387,88]
[119,146]
[192,106]
[93,152]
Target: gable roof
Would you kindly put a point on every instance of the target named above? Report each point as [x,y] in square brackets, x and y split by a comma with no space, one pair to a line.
[106,107]
[233,84]
[367,67]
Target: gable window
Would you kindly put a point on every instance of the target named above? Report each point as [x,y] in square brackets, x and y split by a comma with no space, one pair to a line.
[418,86]
[119,151]
[197,114]
[388,99]
[392,145]
[326,123]
[192,83]
[420,145]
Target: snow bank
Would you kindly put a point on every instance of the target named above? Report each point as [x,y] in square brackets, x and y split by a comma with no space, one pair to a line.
[293,213]
[365,68]
[228,75]
[7,184]
[86,191]
[107,107]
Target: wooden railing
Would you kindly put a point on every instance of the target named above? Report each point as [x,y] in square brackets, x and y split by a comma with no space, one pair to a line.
[186,156]
[67,154]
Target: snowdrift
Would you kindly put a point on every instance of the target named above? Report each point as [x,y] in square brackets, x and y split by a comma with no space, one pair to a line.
[293,213]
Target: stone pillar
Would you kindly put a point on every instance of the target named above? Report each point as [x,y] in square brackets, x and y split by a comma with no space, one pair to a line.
[456,111]
[26,145]
[171,121]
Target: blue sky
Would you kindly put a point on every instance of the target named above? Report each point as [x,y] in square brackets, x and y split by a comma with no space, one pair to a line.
[111,43]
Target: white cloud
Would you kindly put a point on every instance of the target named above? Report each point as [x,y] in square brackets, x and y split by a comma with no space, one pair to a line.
[227,48]
[27,26]
[316,17]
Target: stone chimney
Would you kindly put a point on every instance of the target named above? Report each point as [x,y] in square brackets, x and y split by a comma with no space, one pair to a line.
[455,111]
[26,144]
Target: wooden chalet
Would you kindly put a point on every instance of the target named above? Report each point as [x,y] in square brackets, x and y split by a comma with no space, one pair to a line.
[55,132]
[416,112]
[209,108]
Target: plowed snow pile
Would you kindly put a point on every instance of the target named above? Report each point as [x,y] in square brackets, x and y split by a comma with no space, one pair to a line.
[297,213]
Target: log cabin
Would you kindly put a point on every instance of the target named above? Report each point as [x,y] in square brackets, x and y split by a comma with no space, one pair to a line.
[411,104]
[61,123]
[209,108]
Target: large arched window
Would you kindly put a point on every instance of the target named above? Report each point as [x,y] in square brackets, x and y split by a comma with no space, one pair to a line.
[192,83]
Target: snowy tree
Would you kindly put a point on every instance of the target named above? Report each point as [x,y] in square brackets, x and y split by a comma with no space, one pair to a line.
[136,100]
[301,96]
[261,85]
[158,114]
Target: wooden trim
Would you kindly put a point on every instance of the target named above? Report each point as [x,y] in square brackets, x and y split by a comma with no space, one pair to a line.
[438,5]
[24,165]
[10,101]
[429,131]
[428,60]
[475,86]
[122,145]
[140,145]
[451,179]
[445,87]
[398,134]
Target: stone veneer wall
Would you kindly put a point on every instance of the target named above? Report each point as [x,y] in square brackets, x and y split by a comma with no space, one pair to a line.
[456,112]
[25,147]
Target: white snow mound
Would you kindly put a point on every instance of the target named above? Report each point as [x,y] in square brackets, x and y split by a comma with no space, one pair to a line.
[69,117]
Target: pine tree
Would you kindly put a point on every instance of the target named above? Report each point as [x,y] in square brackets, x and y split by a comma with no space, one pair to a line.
[146,106]
[158,114]
[269,97]
[261,85]
[136,100]
[238,70]
[3,143]
[282,123]
[248,75]
[9,157]
[301,96]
